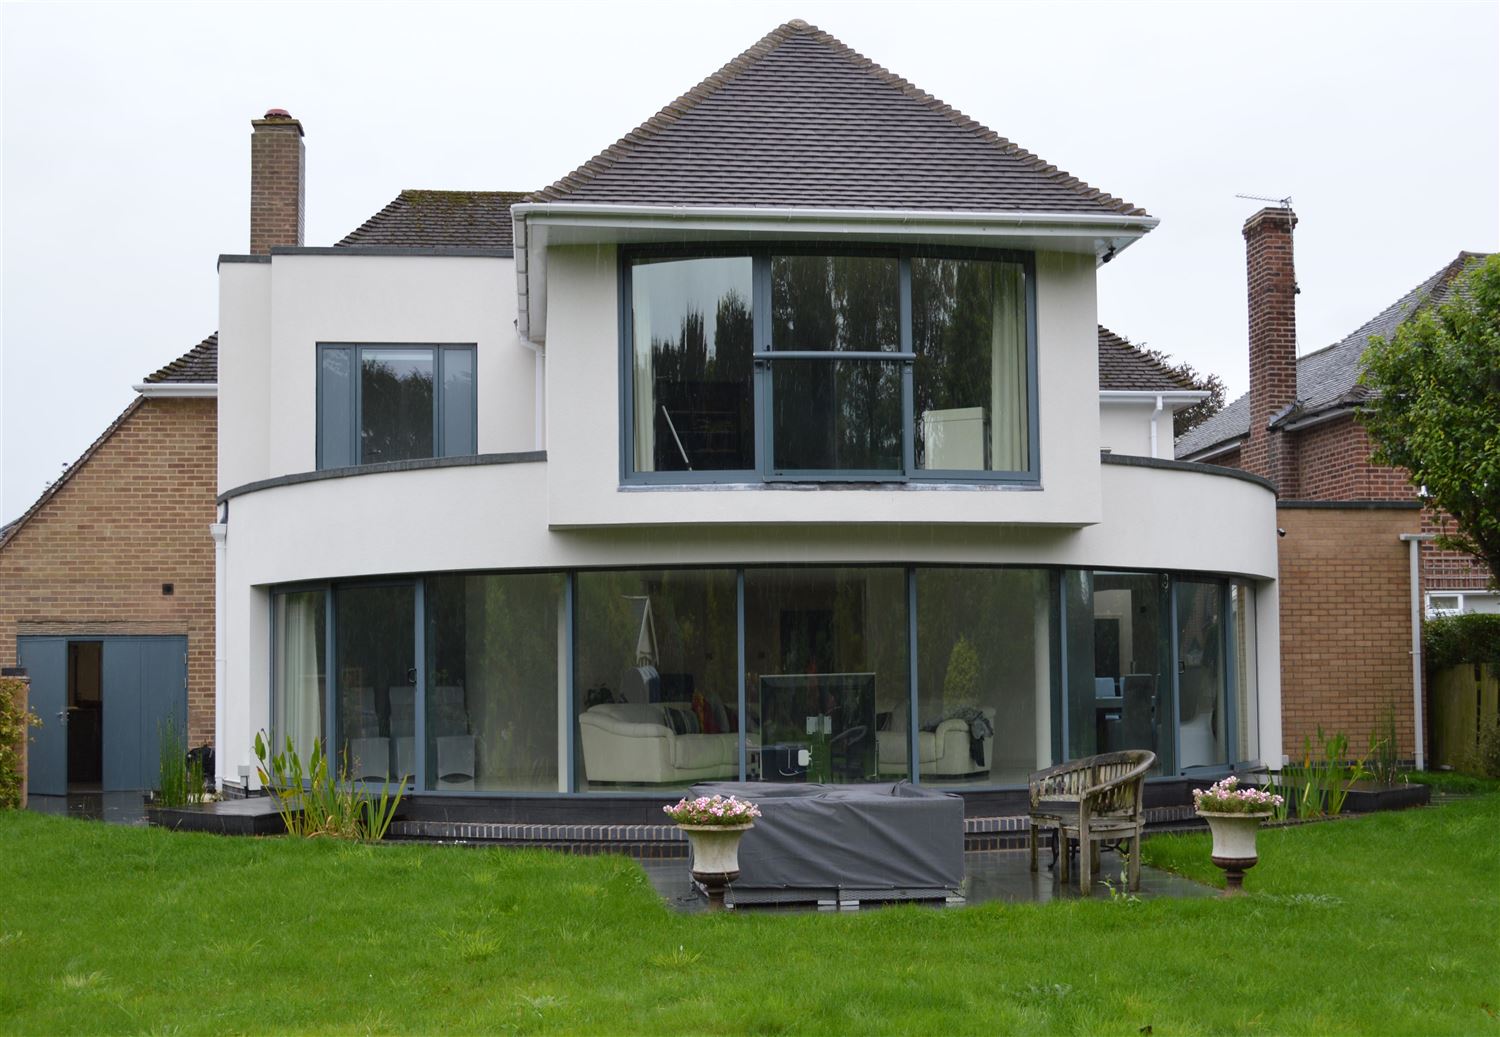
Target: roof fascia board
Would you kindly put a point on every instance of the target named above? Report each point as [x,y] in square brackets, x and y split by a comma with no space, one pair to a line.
[1217,450]
[1105,234]
[184,390]
[912,221]
[1316,419]
[1178,396]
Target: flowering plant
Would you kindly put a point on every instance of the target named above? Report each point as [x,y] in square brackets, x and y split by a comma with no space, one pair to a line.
[713,811]
[1226,797]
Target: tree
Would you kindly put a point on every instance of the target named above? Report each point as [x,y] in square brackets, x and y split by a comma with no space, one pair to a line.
[1435,407]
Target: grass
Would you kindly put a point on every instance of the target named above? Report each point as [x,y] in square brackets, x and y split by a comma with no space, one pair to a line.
[1381,924]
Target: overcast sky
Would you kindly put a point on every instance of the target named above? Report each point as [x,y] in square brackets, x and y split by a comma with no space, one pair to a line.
[126,148]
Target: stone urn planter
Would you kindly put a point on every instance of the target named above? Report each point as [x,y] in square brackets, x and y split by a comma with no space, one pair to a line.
[716,857]
[714,826]
[1234,815]
[1234,845]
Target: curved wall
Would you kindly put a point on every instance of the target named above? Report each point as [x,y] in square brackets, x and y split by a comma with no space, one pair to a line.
[494,517]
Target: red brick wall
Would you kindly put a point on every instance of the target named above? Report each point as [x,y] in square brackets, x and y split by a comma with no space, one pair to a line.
[1271,281]
[133,517]
[1333,463]
[1449,570]
[1345,623]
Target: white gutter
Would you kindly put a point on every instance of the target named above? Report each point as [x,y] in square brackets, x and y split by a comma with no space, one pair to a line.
[1416,540]
[185,390]
[1203,457]
[617,215]
[1156,414]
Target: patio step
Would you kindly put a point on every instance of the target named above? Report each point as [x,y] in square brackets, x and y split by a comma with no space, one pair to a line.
[658,842]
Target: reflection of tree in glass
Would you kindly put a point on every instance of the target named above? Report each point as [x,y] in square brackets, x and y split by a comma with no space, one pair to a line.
[395,413]
[707,390]
[837,414]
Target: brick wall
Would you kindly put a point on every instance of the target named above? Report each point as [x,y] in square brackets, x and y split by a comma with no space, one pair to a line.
[1449,570]
[1271,282]
[134,515]
[277,182]
[1345,623]
[1333,463]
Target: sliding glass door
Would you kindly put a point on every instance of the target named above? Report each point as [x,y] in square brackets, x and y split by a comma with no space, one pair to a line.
[376,681]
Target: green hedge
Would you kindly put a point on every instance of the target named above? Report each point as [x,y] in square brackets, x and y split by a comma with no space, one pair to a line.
[1457,640]
[15,729]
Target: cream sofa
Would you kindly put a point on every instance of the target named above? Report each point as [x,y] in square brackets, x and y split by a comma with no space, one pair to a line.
[941,753]
[633,743]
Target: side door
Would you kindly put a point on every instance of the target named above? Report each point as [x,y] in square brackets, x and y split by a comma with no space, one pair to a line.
[144,685]
[46,662]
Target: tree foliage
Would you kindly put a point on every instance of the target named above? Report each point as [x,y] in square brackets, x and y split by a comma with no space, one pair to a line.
[1435,408]
[1188,376]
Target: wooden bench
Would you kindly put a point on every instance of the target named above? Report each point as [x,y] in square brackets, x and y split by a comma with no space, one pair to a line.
[1095,799]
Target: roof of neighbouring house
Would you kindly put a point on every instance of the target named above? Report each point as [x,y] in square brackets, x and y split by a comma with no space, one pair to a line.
[1329,378]
[1123,366]
[198,365]
[801,120]
[430,219]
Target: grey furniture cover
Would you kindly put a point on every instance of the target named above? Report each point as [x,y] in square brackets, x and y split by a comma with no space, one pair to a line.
[864,837]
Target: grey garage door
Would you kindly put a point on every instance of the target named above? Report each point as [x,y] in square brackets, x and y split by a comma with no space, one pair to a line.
[143,683]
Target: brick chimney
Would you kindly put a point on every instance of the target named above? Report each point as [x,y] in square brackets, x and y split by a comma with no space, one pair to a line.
[278,163]
[1272,283]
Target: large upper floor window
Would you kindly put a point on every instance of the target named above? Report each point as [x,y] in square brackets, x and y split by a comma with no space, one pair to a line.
[805,364]
[394,403]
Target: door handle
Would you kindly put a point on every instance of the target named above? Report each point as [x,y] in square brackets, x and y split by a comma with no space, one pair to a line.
[411,676]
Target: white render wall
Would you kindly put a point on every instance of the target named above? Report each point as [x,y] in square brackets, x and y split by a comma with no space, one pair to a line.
[272,317]
[1125,428]
[583,422]
[488,517]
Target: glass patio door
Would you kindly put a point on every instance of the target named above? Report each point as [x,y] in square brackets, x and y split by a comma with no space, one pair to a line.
[378,682]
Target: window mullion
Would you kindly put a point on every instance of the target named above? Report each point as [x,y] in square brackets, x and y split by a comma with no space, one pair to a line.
[908,397]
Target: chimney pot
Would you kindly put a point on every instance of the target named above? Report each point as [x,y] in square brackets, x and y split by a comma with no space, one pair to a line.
[278,113]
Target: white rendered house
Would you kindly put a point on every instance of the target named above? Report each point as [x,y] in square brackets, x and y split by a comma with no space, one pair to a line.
[769,444]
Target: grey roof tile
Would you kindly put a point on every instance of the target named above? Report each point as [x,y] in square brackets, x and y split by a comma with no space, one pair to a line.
[430,219]
[1123,366]
[1329,377]
[199,364]
[800,119]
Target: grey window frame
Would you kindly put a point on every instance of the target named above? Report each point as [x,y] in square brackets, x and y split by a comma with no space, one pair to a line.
[765,355]
[356,404]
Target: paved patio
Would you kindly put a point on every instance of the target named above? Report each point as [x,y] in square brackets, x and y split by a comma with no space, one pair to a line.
[989,875]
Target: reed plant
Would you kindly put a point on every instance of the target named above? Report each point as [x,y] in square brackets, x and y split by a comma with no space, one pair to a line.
[313,801]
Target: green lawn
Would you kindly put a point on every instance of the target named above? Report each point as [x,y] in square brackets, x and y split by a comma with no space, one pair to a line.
[1385,924]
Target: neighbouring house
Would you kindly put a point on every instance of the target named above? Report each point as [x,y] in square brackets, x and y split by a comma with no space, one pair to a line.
[107,581]
[1355,558]
[107,590]
[775,464]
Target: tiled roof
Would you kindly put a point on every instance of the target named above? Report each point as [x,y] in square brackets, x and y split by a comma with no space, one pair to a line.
[431,219]
[1124,367]
[199,364]
[1329,378]
[800,119]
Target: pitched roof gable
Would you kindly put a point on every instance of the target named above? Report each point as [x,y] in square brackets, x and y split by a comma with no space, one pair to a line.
[1124,367]
[199,365]
[801,120]
[1328,378]
[430,219]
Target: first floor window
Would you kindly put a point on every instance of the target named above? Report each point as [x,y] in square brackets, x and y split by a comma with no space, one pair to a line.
[394,403]
[873,363]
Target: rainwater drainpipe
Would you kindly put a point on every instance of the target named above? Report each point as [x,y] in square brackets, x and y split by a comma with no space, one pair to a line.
[1154,415]
[538,435]
[1415,542]
[220,532]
